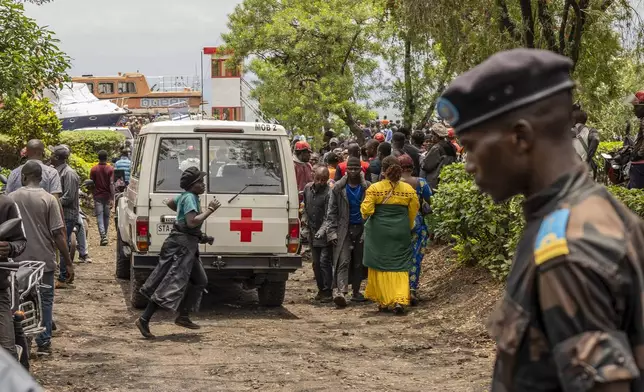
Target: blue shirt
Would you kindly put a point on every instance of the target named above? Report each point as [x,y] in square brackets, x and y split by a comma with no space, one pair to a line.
[389,134]
[355,199]
[187,202]
[124,164]
[50,180]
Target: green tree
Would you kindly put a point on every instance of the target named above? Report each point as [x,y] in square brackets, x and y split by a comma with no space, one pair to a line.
[24,118]
[30,59]
[315,60]
[602,37]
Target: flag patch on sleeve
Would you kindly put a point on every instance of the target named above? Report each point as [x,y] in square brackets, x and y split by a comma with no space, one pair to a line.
[551,239]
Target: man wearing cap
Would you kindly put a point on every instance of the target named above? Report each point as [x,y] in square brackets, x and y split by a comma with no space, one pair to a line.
[333,144]
[179,278]
[303,169]
[572,315]
[440,154]
[69,200]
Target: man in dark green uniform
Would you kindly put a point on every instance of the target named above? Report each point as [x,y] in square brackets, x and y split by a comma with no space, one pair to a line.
[572,317]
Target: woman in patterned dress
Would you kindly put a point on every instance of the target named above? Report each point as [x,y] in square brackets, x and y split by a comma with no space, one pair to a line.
[420,232]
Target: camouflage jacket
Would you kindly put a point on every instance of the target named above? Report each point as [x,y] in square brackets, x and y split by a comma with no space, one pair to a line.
[572,318]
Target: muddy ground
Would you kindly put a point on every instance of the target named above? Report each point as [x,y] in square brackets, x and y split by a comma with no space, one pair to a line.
[303,346]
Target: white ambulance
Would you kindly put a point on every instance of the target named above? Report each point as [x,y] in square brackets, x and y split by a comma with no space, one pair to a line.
[250,171]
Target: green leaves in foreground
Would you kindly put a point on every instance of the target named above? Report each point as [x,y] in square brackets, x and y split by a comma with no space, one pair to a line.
[485,233]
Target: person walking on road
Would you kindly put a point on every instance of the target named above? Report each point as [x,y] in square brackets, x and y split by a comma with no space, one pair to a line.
[390,208]
[45,231]
[50,178]
[571,318]
[103,177]
[179,278]
[420,231]
[344,230]
[69,201]
[316,200]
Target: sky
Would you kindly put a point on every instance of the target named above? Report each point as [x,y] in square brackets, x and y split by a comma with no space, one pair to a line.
[155,37]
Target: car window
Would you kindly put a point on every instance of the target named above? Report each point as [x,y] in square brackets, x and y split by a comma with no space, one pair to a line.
[139,148]
[125,132]
[235,163]
[175,156]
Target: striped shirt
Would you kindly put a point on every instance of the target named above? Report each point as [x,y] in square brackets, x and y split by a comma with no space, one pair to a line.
[124,164]
[50,180]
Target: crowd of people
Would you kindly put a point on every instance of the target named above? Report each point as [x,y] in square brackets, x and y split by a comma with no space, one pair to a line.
[45,193]
[353,199]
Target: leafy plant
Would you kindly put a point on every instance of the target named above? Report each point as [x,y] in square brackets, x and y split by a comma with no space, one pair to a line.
[87,144]
[30,59]
[24,118]
[81,166]
[485,233]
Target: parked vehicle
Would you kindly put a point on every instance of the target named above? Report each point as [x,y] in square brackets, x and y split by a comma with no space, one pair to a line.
[250,171]
[25,281]
[617,165]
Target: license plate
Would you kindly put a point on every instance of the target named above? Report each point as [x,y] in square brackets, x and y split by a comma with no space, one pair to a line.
[164,228]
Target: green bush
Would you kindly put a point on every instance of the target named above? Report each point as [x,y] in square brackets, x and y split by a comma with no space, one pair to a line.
[81,166]
[9,153]
[485,233]
[87,144]
[482,232]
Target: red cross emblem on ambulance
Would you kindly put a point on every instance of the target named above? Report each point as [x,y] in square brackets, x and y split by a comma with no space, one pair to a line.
[246,226]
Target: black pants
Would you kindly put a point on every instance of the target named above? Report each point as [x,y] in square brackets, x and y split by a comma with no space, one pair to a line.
[349,268]
[198,281]
[322,267]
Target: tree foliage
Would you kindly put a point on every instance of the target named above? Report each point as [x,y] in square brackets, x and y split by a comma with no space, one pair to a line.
[602,37]
[315,60]
[30,59]
[24,118]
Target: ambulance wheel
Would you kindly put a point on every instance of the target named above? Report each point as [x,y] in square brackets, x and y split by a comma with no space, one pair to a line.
[271,293]
[137,299]
[122,261]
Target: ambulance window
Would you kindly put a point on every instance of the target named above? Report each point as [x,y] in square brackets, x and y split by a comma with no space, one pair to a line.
[175,156]
[235,163]
[139,148]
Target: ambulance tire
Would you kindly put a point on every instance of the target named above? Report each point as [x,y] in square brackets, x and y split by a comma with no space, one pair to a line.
[122,261]
[137,299]
[271,294]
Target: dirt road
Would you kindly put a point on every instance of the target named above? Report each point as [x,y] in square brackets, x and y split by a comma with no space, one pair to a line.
[303,346]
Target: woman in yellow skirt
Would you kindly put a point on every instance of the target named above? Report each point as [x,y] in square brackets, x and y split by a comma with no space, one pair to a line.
[390,207]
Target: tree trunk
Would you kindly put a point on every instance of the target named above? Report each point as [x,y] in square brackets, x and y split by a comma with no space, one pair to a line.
[351,122]
[410,105]
[442,84]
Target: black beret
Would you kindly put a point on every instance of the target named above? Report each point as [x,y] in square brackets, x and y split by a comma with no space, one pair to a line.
[504,82]
[190,176]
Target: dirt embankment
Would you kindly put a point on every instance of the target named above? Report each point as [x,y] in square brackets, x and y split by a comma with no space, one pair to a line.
[303,346]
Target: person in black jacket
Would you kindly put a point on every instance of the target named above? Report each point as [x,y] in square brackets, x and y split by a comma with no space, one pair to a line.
[440,154]
[402,146]
[316,200]
[11,246]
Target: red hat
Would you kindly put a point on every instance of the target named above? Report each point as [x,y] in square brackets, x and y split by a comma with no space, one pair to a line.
[450,133]
[640,96]
[302,146]
[379,137]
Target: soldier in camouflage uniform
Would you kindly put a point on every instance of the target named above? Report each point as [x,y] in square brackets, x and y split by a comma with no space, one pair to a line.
[572,317]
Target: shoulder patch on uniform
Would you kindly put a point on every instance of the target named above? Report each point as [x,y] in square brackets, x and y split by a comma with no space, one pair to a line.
[551,239]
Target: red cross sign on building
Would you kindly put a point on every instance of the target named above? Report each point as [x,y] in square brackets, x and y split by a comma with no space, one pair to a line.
[246,226]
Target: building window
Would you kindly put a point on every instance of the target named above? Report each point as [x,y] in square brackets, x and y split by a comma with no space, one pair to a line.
[216,68]
[227,114]
[127,88]
[106,88]
[90,86]
[231,72]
